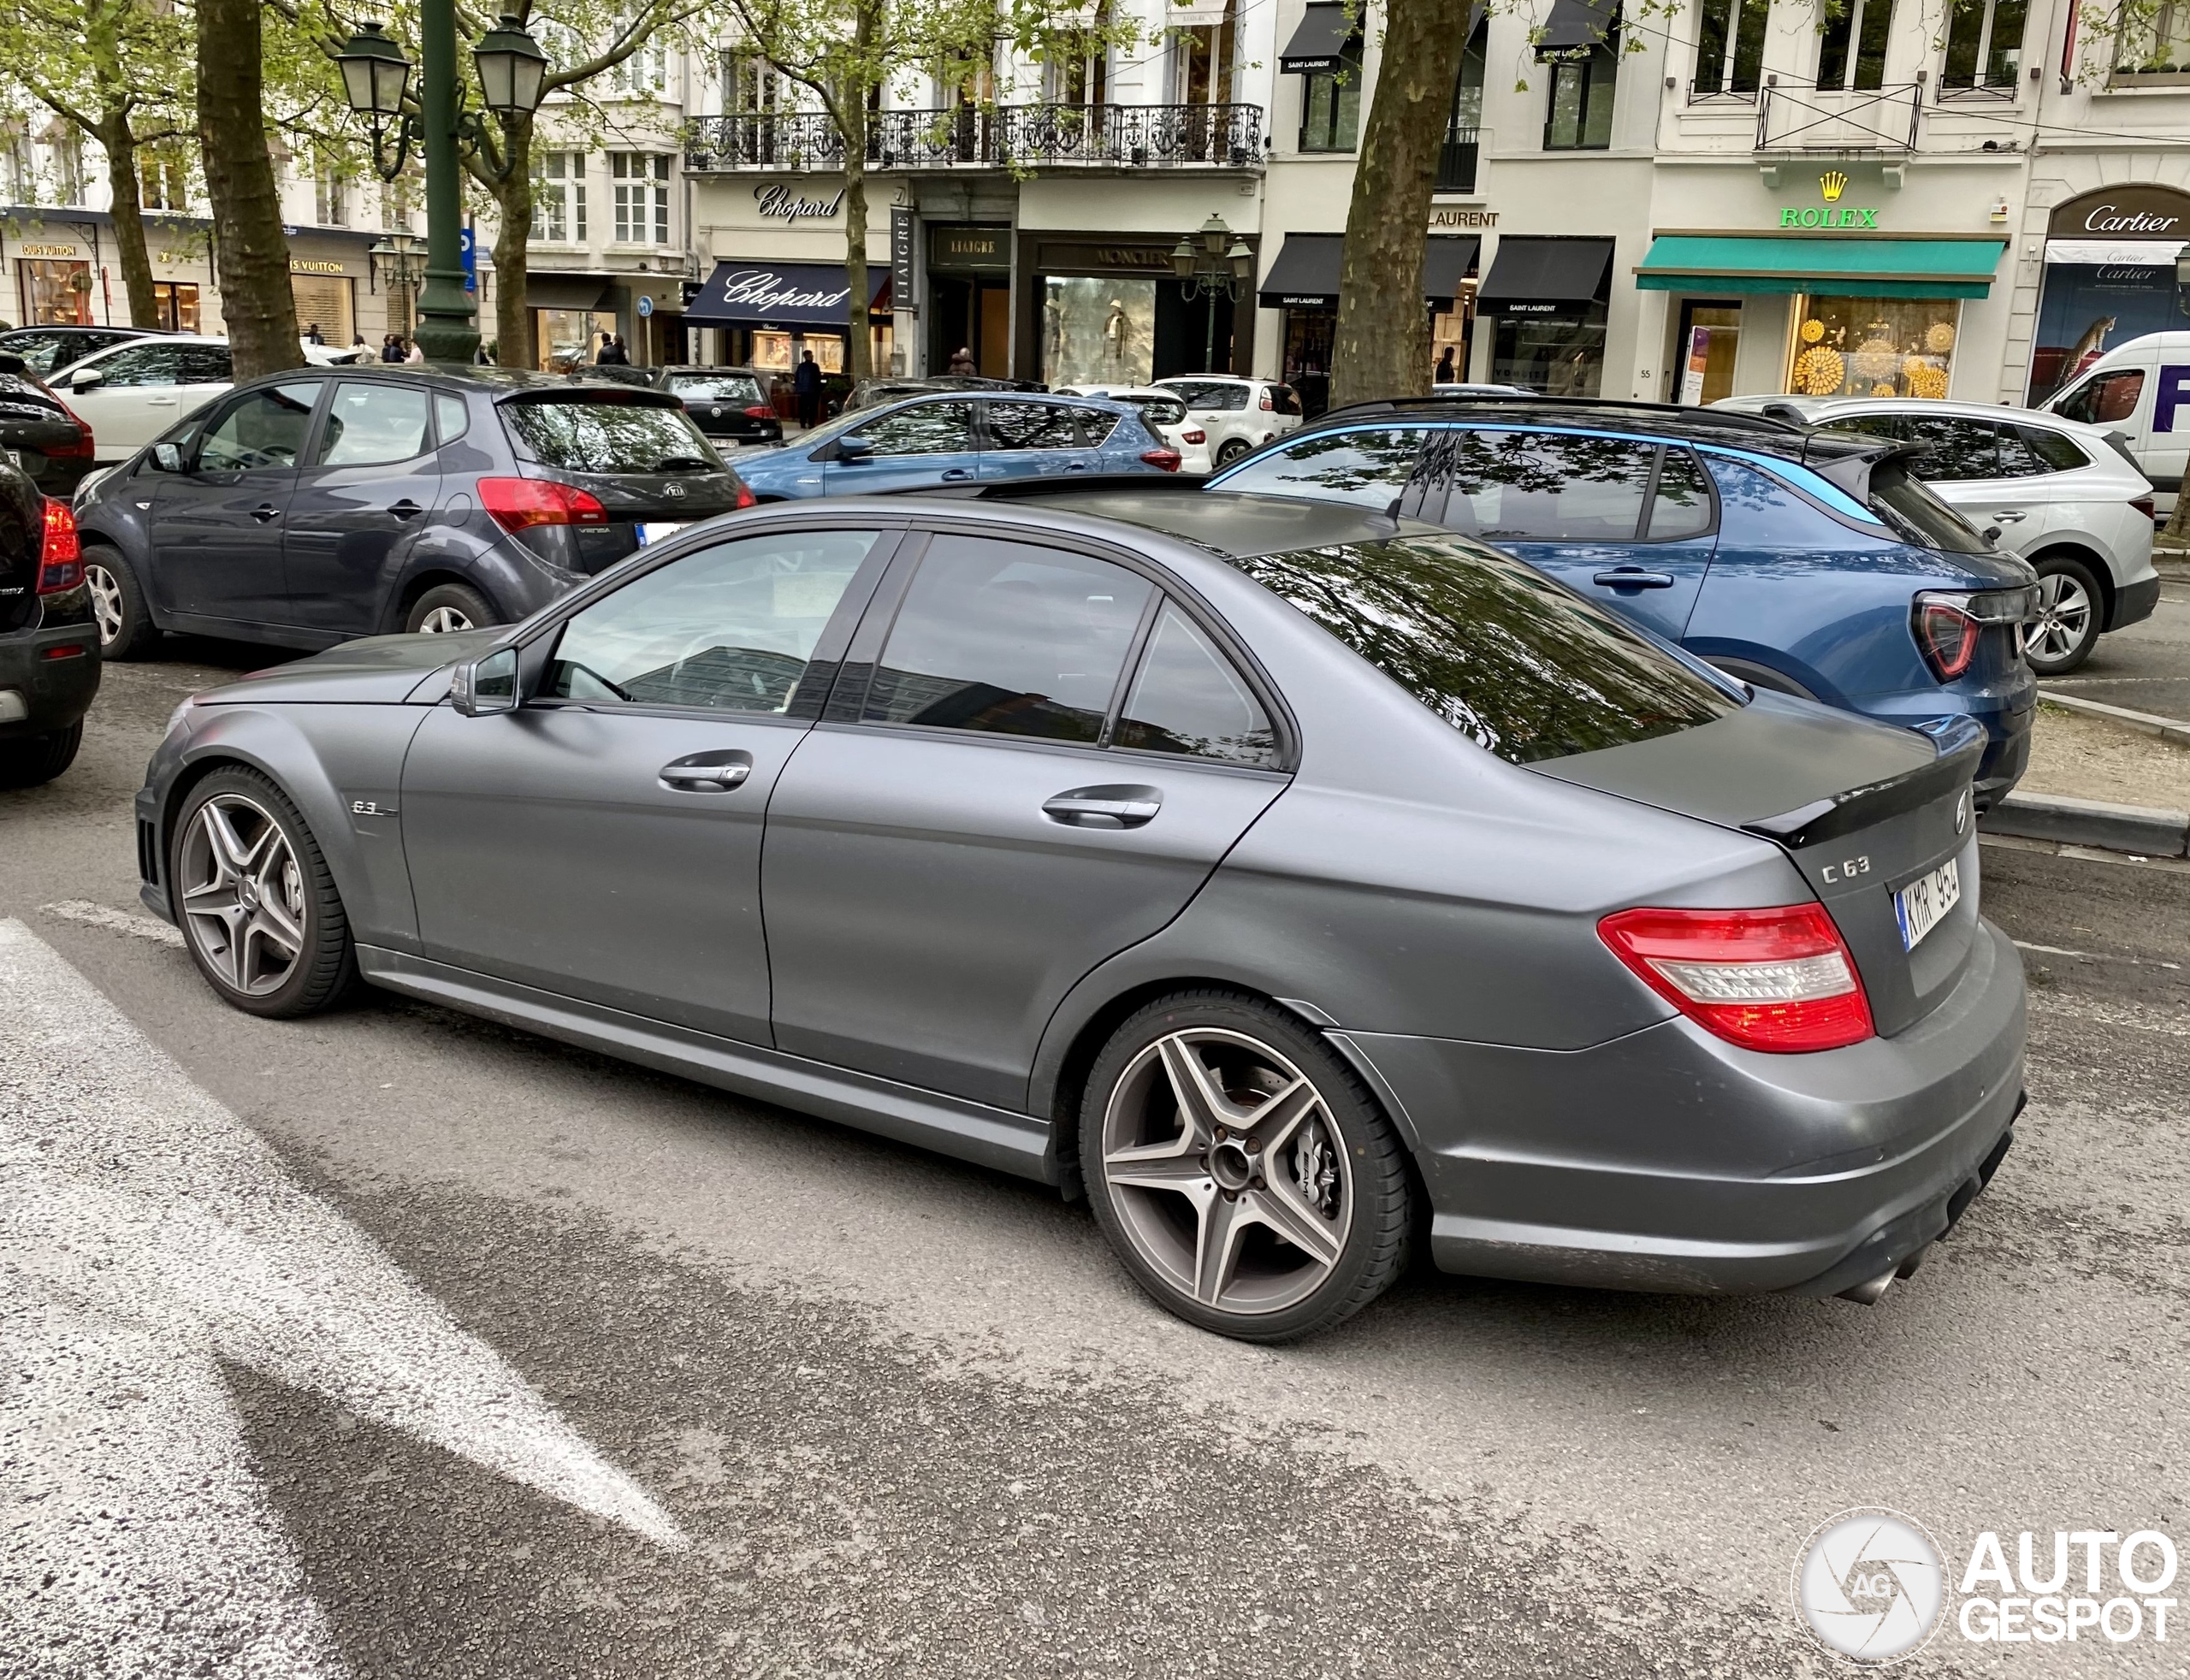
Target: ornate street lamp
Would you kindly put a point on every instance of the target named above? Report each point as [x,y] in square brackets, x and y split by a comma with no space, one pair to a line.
[376,78]
[1215,263]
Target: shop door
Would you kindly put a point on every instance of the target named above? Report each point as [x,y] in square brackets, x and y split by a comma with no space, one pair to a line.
[1710,337]
[1192,334]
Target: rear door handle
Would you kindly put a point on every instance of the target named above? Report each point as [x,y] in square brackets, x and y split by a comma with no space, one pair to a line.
[2011,516]
[1110,806]
[407,509]
[265,510]
[954,473]
[1633,577]
[707,772]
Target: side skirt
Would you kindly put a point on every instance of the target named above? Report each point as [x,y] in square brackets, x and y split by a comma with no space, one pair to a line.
[1012,1143]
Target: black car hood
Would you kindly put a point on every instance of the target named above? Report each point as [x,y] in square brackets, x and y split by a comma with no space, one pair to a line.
[375,671]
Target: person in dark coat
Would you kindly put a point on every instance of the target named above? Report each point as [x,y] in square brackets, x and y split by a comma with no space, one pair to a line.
[961,360]
[806,386]
[391,348]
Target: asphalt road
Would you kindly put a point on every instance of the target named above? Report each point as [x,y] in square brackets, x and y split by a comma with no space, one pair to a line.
[2145,667]
[894,1415]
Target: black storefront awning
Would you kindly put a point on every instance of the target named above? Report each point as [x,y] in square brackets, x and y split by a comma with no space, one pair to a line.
[1545,276]
[565,291]
[1319,43]
[782,296]
[1305,273]
[1576,28]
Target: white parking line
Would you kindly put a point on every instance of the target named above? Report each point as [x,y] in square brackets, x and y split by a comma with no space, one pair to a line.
[146,1234]
[2095,956]
[116,921]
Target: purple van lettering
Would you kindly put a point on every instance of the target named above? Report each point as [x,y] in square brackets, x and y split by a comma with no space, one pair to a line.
[2173,387]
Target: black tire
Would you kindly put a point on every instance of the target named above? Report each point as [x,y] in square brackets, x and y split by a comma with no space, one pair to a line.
[32,760]
[126,628]
[1341,1155]
[436,610]
[2072,615]
[325,966]
[1231,450]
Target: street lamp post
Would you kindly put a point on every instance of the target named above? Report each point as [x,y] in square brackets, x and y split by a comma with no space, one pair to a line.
[1206,268]
[512,75]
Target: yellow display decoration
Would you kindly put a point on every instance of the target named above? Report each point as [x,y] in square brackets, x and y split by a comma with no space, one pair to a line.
[1820,372]
[1812,330]
[1938,338]
[1929,383]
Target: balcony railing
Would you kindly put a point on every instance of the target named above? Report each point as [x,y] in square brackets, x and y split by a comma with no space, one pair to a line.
[1801,117]
[1457,159]
[986,137]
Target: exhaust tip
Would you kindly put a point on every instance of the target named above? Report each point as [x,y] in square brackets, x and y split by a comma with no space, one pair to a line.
[1868,1293]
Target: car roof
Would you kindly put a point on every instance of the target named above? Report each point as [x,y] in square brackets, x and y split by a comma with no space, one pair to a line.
[162,338]
[1220,378]
[1229,523]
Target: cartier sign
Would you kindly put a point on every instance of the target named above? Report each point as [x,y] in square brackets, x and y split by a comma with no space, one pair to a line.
[2137,211]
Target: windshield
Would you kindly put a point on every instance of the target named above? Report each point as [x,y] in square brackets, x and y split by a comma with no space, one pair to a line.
[719,387]
[1899,499]
[577,436]
[1505,655]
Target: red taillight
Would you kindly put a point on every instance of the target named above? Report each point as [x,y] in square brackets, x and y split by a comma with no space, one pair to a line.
[1776,979]
[75,448]
[518,503]
[61,557]
[1267,404]
[1169,459]
[745,496]
[1947,634]
[760,411]
[1195,437]
[2144,505]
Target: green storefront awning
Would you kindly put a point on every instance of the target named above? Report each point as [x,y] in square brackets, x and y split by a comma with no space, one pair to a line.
[1828,267]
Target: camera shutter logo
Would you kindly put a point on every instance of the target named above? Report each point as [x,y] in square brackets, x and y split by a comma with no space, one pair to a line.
[1869,1584]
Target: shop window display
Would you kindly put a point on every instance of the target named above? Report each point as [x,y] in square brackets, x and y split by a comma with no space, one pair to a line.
[1099,330]
[1873,346]
[1557,357]
[2088,309]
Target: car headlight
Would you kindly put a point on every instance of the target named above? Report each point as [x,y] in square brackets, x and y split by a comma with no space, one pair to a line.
[176,717]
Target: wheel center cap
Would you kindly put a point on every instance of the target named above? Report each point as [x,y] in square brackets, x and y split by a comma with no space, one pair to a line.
[248,891]
[1229,1165]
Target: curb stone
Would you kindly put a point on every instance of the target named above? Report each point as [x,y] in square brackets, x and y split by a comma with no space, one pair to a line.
[2141,828]
[2174,730]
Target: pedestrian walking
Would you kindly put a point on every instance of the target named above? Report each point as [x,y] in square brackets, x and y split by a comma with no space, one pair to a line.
[391,348]
[415,354]
[1445,367]
[806,385]
[961,360]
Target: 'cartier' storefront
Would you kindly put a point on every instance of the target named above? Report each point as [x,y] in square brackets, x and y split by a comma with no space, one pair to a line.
[1107,309]
[2109,277]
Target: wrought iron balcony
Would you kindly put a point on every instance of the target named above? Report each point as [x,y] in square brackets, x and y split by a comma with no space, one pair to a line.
[1801,117]
[1000,137]
[1457,159]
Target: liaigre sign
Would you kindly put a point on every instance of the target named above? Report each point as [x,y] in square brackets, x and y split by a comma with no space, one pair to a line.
[2136,211]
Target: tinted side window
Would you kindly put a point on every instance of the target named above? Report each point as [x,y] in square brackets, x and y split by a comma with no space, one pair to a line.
[1009,639]
[1871,425]
[1209,394]
[1370,467]
[2039,450]
[1681,507]
[1536,487]
[1285,400]
[371,425]
[148,364]
[205,364]
[1957,449]
[265,429]
[1096,427]
[1030,426]
[925,428]
[730,628]
[452,416]
[1187,698]
[2109,398]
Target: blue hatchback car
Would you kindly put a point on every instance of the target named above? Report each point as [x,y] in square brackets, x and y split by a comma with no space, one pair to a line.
[1809,562]
[957,438]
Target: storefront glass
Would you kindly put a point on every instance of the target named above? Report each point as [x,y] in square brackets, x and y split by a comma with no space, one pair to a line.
[1873,346]
[1557,357]
[1710,340]
[2087,309]
[1308,335]
[56,293]
[1099,330]
[568,337]
[1448,341]
[175,302]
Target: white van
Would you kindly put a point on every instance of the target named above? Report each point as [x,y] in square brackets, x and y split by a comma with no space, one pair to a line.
[2140,389]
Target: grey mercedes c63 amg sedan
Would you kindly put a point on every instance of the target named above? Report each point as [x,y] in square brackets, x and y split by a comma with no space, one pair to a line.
[1295,882]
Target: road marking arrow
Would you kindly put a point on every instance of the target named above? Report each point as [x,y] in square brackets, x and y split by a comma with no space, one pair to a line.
[146,1234]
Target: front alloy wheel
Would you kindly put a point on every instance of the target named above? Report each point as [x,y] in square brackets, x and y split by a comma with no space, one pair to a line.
[242,896]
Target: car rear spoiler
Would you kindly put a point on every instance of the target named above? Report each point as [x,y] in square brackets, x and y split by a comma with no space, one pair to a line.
[1850,466]
[1960,742]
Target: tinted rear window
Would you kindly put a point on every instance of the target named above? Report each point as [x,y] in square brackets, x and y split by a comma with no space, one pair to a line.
[1904,503]
[1159,411]
[582,436]
[1505,655]
[716,387]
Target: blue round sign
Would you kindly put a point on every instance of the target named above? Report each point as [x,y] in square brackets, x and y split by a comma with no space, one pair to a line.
[646,307]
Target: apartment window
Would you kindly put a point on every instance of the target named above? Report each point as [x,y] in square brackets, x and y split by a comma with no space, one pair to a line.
[1330,103]
[67,149]
[1077,64]
[1985,43]
[2151,41]
[559,197]
[1202,61]
[330,198]
[1730,46]
[749,84]
[1578,118]
[1852,57]
[1457,156]
[163,176]
[640,181]
[645,74]
[20,168]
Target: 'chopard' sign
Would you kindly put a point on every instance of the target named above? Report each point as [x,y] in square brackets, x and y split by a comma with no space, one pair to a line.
[786,205]
[767,292]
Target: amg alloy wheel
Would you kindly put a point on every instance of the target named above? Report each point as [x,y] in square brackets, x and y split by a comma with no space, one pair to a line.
[1242,1170]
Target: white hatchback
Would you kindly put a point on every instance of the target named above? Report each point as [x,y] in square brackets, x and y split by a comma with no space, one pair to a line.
[1238,414]
[130,394]
[2067,497]
[1166,414]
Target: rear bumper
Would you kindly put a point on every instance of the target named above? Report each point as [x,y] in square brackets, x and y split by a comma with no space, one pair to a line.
[51,693]
[2133,602]
[1672,1161]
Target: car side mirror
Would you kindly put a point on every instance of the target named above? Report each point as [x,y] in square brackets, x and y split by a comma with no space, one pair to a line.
[85,378]
[167,458]
[1992,533]
[480,688]
[854,448]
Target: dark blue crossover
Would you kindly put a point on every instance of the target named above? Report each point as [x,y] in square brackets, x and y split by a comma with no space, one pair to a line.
[1809,562]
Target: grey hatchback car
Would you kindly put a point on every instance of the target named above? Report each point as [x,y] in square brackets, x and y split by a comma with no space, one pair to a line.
[1294,881]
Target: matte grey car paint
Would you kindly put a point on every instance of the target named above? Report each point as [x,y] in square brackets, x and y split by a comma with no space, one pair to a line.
[1435,905]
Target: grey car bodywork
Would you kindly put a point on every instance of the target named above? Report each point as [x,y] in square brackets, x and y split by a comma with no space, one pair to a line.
[938,963]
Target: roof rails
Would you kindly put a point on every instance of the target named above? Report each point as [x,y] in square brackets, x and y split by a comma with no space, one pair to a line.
[1028,489]
[1732,420]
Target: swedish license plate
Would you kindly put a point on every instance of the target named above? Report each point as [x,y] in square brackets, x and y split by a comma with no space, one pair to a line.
[1923,904]
[661,530]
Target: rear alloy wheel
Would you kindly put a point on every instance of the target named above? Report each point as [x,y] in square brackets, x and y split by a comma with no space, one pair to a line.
[126,628]
[447,608]
[258,908]
[1242,1170]
[1230,451]
[2069,616]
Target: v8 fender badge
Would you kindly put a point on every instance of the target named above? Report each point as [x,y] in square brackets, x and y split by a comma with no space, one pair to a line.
[370,807]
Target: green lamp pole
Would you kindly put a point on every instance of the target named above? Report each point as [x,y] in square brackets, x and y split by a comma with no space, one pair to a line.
[512,75]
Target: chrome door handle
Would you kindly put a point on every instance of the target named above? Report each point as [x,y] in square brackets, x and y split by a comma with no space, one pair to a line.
[1076,466]
[265,510]
[955,473]
[407,509]
[1103,807]
[1632,577]
[2011,516]
[707,772]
